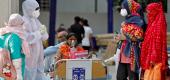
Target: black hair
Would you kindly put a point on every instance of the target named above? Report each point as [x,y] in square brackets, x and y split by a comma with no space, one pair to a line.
[60,29]
[72,34]
[85,22]
[118,8]
[82,20]
[77,19]
[153,1]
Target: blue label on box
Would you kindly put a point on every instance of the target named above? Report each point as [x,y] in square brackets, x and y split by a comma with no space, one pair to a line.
[78,74]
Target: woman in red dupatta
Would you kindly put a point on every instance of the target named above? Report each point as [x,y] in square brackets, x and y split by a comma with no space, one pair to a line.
[154,46]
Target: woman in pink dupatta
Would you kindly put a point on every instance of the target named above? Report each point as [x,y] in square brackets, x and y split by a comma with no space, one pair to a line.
[17,44]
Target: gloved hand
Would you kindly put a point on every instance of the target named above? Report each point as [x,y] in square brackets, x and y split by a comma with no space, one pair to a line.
[114,58]
[43,29]
[17,64]
[109,60]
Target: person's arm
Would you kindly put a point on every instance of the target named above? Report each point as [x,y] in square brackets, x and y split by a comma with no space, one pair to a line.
[44,33]
[58,56]
[15,54]
[132,32]
[34,36]
[115,57]
[59,53]
[17,64]
[50,50]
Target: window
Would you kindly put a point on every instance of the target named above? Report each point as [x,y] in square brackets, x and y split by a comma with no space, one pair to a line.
[44,4]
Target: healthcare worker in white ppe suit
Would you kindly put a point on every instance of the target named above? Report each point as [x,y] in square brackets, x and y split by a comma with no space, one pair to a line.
[37,33]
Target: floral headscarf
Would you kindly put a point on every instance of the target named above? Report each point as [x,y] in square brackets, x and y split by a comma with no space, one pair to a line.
[135,13]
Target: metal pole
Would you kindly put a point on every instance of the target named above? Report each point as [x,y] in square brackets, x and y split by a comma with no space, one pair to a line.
[110,16]
[51,40]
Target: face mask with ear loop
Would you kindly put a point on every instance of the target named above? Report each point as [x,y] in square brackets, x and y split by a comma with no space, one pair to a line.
[73,43]
[123,12]
[36,13]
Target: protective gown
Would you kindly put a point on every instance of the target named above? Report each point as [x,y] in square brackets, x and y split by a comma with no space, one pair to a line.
[34,64]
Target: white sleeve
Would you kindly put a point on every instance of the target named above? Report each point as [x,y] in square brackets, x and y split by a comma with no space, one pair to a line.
[44,33]
[110,59]
[31,37]
[90,30]
[115,57]
[44,36]
[37,35]
[18,67]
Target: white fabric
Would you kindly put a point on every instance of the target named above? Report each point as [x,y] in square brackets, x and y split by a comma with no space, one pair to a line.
[110,59]
[115,57]
[17,64]
[86,40]
[34,37]
[34,64]
[15,20]
[15,25]
[29,6]
[36,13]
[123,12]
